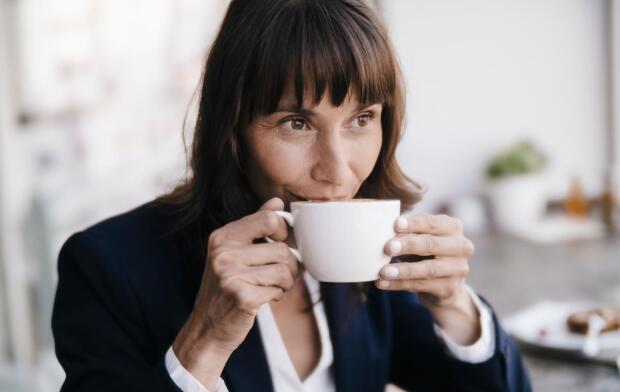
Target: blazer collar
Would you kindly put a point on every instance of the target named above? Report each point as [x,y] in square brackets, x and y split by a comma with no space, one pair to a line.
[247,368]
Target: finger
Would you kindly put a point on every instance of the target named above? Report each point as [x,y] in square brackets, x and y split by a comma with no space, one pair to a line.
[263,223]
[428,224]
[273,204]
[230,261]
[440,288]
[277,275]
[426,270]
[413,258]
[250,297]
[429,245]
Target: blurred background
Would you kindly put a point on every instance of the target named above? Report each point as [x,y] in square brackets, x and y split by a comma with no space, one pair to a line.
[513,110]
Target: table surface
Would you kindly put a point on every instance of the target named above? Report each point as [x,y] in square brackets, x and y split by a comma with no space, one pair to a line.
[513,274]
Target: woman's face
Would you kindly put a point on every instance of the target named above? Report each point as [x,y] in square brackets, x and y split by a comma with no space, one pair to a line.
[320,152]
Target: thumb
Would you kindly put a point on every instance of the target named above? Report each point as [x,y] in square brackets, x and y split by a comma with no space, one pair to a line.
[273,204]
[276,204]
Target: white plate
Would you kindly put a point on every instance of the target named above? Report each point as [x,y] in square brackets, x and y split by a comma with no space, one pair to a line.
[543,326]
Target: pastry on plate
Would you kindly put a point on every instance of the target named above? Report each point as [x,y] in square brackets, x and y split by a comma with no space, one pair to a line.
[578,321]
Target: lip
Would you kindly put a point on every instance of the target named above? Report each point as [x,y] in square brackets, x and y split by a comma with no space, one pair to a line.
[317,198]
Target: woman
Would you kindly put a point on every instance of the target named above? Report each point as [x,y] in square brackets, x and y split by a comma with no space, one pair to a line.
[301,99]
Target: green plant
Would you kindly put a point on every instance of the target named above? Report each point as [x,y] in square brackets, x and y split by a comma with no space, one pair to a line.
[521,158]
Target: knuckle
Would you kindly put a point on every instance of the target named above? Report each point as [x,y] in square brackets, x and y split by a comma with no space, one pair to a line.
[294,268]
[229,285]
[244,299]
[417,285]
[221,260]
[465,268]
[282,250]
[286,278]
[279,296]
[216,239]
[270,221]
[225,283]
[429,220]
[282,271]
[430,244]
[217,262]
[458,224]
[218,273]
[446,292]
[468,246]
[432,271]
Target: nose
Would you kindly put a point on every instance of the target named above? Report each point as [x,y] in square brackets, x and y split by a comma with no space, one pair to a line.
[332,164]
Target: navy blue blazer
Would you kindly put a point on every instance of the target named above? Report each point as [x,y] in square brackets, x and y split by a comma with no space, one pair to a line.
[125,290]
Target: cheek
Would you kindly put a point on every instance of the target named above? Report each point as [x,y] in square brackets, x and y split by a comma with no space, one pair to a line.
[282,163]
[365,153]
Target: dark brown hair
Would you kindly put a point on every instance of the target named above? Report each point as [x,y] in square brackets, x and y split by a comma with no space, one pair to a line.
[334,47]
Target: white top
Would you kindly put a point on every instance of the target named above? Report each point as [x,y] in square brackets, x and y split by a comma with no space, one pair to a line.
[283,374]
[281,367]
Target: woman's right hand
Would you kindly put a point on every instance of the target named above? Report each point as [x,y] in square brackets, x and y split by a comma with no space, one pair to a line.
[239,277]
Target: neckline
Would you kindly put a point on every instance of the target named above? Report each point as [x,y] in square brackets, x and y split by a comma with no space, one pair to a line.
[274,343]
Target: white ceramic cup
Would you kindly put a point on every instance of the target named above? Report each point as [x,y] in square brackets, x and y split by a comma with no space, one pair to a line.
[342,241]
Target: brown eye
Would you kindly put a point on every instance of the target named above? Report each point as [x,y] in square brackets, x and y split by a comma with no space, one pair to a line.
[297,124]
[363,119]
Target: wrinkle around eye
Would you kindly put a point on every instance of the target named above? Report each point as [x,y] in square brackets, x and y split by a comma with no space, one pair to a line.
[264,124]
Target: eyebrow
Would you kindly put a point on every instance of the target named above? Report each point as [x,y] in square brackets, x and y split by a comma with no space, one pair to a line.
[310,112]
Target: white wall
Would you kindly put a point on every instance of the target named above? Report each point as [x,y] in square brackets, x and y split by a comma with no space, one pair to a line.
[3,129]
[16,336]
[484,73]
[614,44]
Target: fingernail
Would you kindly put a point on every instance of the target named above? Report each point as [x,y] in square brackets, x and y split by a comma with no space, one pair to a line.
[383,284]
[390,272]
[395,246]
[402,223]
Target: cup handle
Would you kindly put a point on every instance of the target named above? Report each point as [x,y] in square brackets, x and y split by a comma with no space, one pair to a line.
[288,217]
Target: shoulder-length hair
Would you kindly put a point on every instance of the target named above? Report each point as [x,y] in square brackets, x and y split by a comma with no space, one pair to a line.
[334,47]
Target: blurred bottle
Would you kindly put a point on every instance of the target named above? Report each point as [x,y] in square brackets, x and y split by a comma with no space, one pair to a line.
[576,204]
[608,204]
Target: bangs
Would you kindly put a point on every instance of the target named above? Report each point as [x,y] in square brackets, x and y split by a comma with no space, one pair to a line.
[300,51]
[312,48]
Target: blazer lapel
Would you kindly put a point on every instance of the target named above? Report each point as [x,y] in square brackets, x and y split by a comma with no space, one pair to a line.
[247,368]
[336,297]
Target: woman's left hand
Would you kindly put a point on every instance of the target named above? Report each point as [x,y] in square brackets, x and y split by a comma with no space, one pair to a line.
[439,279]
